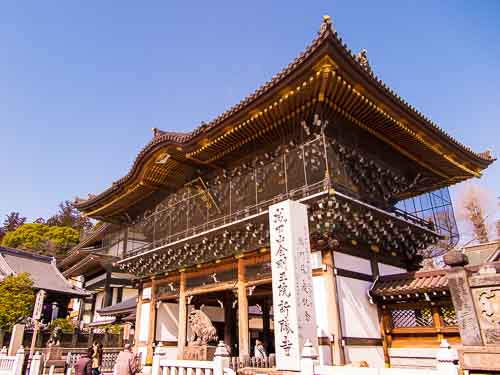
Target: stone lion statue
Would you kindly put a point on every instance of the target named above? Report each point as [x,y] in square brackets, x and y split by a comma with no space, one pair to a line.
[202,328]
[55,337]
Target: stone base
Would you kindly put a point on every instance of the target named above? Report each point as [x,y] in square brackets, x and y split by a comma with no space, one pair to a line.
[479,358]
[53,352]
[263,371]
[199,353]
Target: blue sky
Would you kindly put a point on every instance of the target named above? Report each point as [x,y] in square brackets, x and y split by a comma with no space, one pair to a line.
[83,83]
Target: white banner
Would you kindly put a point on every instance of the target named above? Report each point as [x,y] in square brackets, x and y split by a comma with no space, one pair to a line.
[38,308]
[294,316]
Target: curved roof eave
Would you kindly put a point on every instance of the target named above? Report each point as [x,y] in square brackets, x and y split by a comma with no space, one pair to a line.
[326,34]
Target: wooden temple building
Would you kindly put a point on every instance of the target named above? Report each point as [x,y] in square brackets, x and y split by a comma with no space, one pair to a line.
[324,131]
[92,265]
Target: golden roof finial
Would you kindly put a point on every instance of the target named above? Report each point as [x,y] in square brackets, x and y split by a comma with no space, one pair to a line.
[326,24]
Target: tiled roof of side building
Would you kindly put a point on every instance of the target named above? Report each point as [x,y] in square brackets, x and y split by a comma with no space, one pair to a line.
[42,270]
[410,283]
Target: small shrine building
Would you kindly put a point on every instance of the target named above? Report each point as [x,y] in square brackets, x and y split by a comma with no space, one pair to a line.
[325,131]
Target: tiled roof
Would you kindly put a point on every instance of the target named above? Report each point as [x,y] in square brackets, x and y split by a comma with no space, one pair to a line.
[410,283]
[42,270]
[327,33]
[126,307]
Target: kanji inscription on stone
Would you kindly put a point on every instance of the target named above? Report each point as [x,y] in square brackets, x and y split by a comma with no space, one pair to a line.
[294,316]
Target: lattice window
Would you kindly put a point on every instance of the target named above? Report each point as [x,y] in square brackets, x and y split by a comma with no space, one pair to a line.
[412,318]
[449,315]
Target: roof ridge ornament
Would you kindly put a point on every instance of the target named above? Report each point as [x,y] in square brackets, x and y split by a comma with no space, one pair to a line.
[362,59]
[326,24]
[156,132]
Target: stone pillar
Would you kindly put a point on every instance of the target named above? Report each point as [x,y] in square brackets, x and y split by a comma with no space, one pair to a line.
[461,296]
[333,308]
[242,311]
[182,327]
[221,359]
[16,339]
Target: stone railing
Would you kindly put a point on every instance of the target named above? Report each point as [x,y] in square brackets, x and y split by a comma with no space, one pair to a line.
[11,364]
[219,366]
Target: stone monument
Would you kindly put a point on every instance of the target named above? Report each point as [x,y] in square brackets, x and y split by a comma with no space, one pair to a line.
[293,299]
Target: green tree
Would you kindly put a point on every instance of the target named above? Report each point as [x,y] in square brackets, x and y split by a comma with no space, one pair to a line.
[16,299]
[42,239]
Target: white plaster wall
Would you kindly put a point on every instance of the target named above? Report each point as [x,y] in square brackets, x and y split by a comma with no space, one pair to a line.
[129,293]
[374,355]
[352,263]
[216,314]
[144,323]
[320,302]
[98,305]
[358,316]
[387,269]
[167,322]
[115,296]
[320,308]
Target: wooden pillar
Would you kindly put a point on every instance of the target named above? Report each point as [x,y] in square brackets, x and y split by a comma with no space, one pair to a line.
[242,311]
[137,328]
[152,322]
[385,330]
[182,327]
[229,321]
[266,328]
[436,317]
[333,308]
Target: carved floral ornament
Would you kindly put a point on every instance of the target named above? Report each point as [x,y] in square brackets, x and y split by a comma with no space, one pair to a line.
[489,301]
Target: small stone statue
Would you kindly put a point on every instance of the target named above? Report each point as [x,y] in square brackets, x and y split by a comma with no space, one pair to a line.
[55,337]
[202,328]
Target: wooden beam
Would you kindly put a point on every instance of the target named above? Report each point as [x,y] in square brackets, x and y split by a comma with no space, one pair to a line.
[353,274]
[242,311]
[210,288]
[363,341]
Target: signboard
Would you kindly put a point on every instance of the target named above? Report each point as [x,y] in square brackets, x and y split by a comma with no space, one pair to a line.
[37,310]
[293,299]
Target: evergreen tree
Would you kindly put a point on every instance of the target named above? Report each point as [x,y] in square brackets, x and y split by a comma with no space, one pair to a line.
[16,299]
